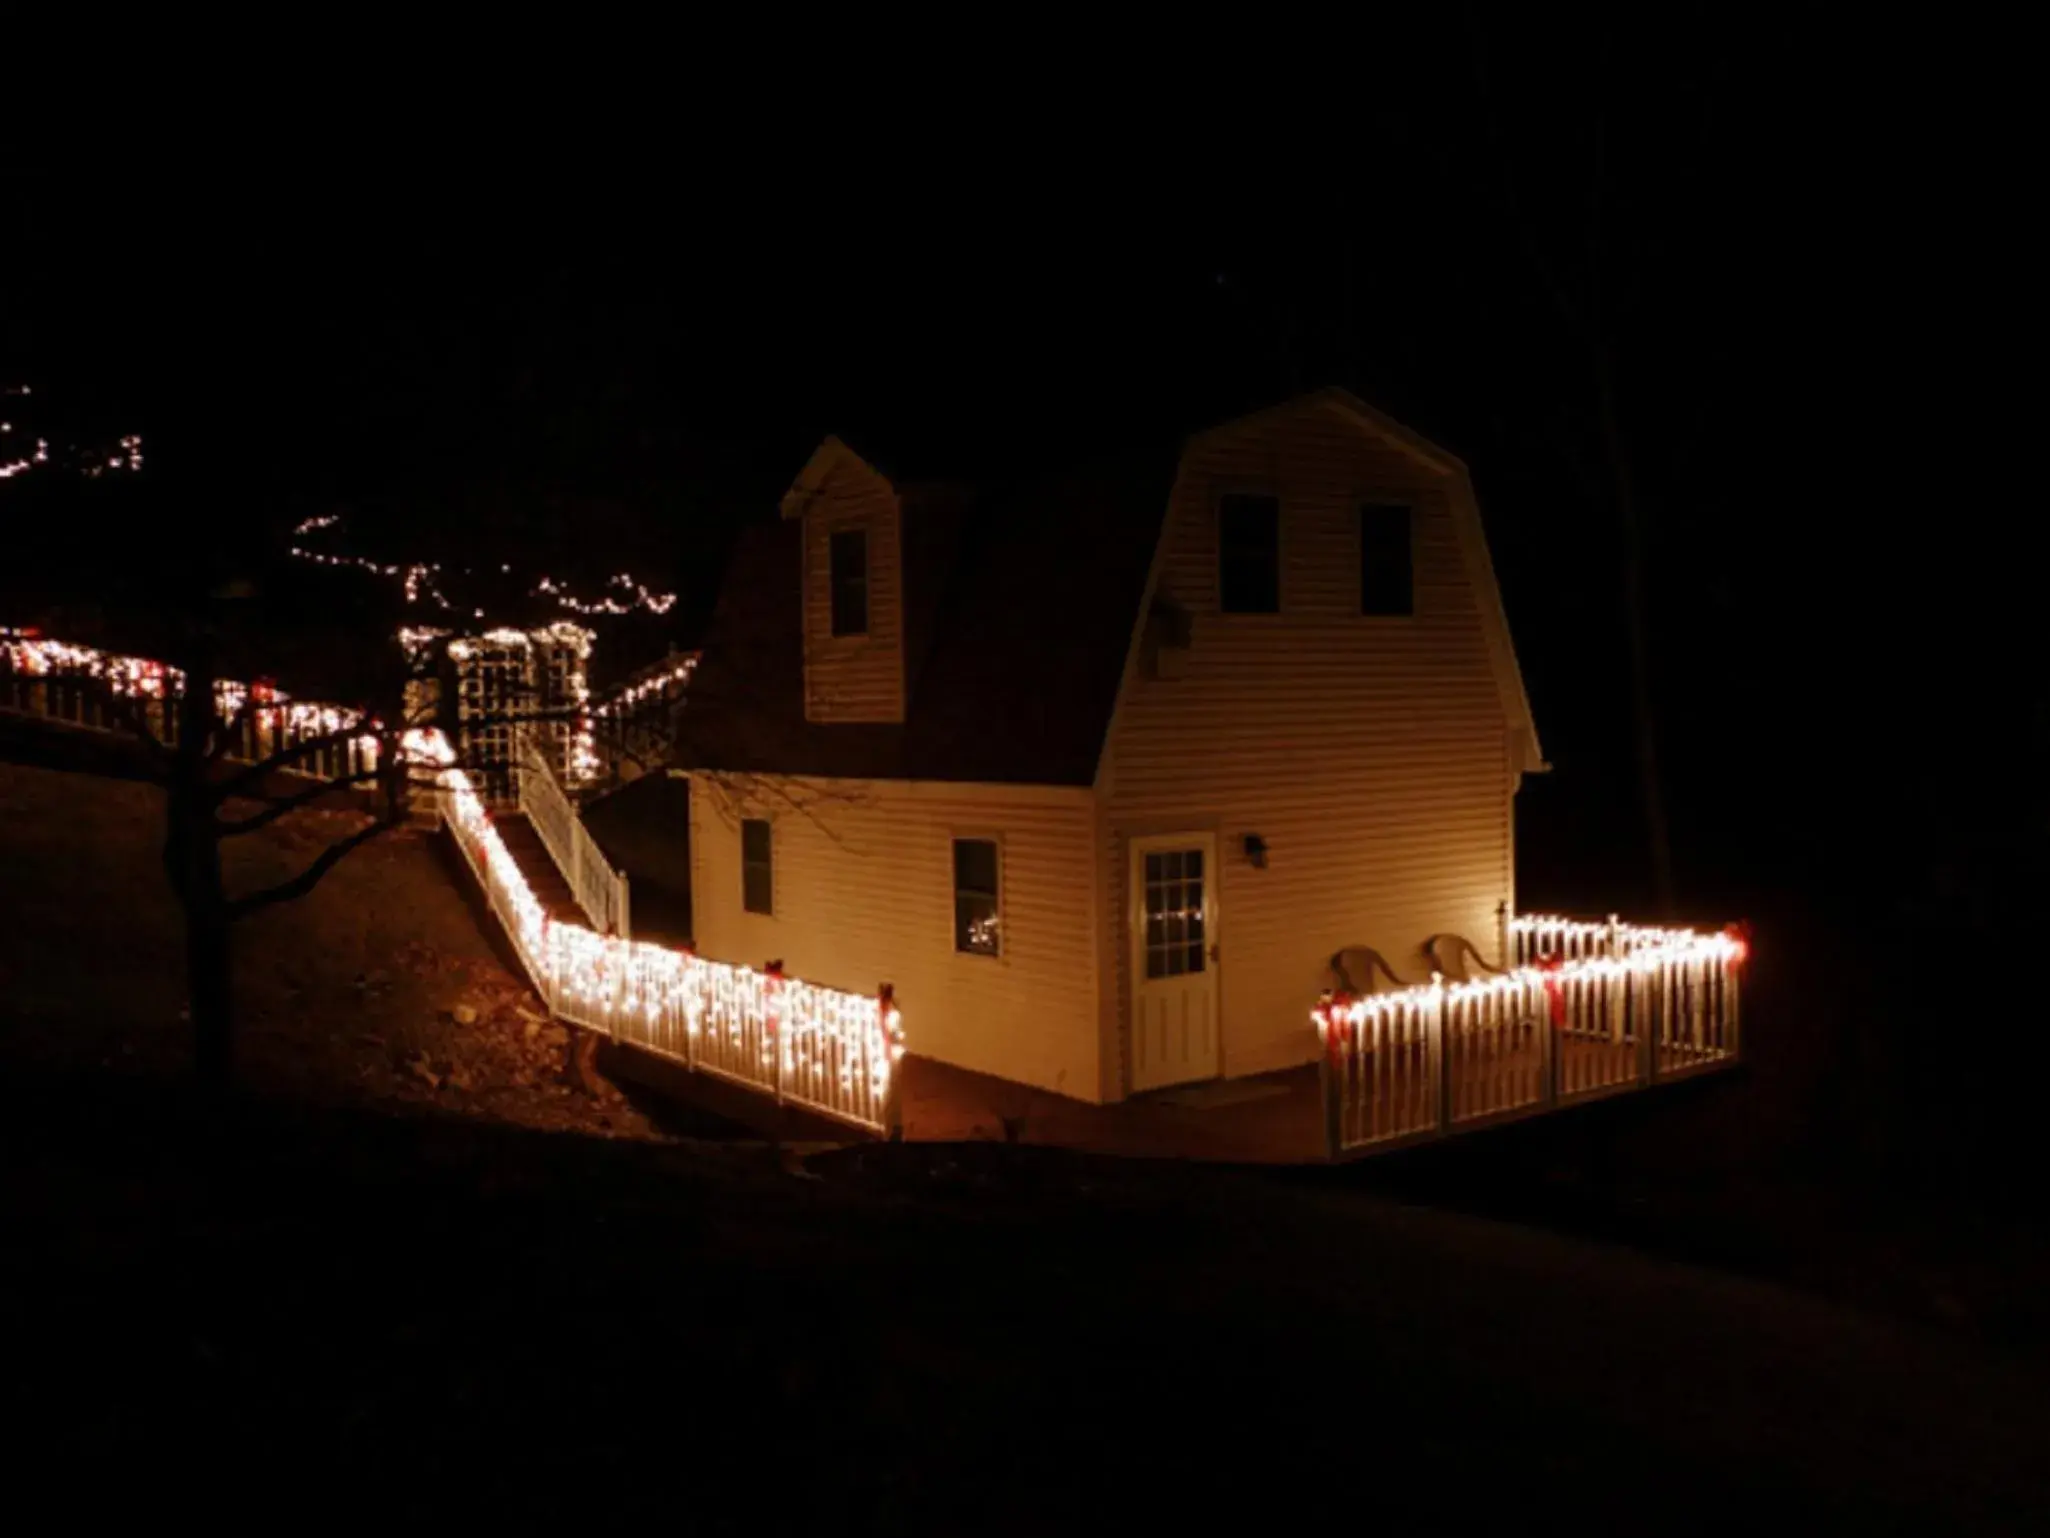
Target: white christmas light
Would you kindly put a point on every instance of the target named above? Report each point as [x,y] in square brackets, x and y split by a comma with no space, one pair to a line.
[1649,949]
[276,716]
[638,597]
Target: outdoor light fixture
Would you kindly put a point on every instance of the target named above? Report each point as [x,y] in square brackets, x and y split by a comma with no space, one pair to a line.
[1256,851]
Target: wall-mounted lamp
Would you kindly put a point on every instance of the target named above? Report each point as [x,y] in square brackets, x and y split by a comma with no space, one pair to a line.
[1256,851]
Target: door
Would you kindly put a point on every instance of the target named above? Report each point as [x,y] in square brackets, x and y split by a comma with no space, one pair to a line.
[1174,959]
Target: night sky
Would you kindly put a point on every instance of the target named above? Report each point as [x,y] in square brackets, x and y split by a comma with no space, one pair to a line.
[531,341]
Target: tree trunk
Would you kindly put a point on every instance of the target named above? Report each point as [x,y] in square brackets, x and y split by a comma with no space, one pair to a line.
[193,854]
[583,1062]
[1637,636]
[207,973]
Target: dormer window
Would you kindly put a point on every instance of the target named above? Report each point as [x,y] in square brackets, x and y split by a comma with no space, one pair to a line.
[849,562]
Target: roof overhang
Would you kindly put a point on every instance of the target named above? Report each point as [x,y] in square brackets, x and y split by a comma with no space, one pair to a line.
[830,456]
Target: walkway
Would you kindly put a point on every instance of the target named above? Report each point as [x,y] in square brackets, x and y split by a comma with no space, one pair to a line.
[544,877]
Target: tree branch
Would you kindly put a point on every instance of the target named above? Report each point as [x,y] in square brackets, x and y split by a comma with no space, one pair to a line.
[281,806]
[309,878]
[236,784]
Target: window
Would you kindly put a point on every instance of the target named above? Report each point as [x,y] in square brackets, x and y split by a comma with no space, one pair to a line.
[757,874]
[1387,585]
[1249,555]
[1174,912]
[975,896]
[849,559]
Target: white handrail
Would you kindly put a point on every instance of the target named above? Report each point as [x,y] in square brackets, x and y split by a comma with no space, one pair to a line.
[599,890]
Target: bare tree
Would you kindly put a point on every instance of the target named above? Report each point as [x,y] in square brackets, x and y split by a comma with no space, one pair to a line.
[227,774]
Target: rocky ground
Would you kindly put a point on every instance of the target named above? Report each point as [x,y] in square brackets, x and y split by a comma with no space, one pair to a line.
[378,988]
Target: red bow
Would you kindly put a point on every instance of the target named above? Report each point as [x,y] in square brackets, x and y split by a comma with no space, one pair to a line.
[1555,990]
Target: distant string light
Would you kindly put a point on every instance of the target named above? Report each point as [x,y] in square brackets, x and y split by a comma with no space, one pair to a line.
[129,459]
[418,580]
[639,597]
[649,685]
[274,713]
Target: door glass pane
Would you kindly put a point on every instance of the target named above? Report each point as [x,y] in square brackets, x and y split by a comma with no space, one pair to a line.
[1175,934]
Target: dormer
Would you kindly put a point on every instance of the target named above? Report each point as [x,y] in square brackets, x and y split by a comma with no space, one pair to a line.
[852,585]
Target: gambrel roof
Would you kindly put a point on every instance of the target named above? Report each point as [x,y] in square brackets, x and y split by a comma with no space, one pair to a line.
[1042,583]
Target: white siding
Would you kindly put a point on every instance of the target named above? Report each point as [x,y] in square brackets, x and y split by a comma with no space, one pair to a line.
[1371,753]
[854,678]
[864,895]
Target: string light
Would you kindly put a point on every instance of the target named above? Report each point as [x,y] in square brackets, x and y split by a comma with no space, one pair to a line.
[836,1049]
[418,578]
[1649,949]
[23,466]
[648,686]
[639,597]
[276,714]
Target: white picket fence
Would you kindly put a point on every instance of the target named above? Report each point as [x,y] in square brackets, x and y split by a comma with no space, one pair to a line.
[1587,1010]
[599,890]
[830,1051]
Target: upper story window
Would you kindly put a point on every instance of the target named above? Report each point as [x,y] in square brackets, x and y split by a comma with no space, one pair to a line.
[1249,555]
[757,872]
[849,560]
[977,927]
[1387,572]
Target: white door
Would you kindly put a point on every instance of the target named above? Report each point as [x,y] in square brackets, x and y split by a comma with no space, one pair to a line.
[1174,959]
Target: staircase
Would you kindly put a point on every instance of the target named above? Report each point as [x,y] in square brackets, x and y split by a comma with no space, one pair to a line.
[544,877]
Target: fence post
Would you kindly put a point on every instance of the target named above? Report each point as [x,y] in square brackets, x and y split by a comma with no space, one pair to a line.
[1328,1084]
[772,1022]
[1441,1028]
[1651,1023]
[1548,1064]
[1731,999]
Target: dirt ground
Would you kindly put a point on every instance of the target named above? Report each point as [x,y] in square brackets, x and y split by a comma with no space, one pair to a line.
[378,988]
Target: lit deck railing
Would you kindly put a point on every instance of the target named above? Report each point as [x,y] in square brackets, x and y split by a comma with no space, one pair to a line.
[1587,1009]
